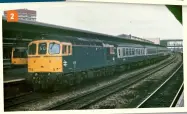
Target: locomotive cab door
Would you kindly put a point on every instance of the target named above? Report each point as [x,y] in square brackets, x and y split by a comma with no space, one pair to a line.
[66,53]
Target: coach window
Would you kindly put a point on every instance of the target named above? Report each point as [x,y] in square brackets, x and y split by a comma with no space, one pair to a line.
[129,51]
[152,51]
[119,53]
[141,51]
[149,51]
[126,51]
[132,51]
[124,54]
[137,51]
[32,49]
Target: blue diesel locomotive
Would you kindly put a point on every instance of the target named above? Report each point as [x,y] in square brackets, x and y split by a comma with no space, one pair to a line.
[61,61]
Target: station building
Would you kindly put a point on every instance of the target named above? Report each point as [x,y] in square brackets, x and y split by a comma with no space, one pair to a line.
[25,14]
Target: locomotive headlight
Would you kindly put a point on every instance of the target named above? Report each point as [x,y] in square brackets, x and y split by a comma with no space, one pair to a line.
[36,74]
[48,74]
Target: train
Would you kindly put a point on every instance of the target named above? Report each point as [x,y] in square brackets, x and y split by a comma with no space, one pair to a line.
[62,61]
[19,56]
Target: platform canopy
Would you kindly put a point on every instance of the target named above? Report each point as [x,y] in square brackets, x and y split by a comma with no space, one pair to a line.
[29,30]
[26,31]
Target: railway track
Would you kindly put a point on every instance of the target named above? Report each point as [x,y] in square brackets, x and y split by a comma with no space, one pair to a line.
[167,94]
[85,100]
[25,98]
[19,99]
[177,96]
[32,97]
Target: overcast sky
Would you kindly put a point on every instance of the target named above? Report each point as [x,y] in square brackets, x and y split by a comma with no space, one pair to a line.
[148,21]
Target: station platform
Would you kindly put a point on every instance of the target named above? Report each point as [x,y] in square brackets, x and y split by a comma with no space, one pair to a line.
[180,102]
[13,75]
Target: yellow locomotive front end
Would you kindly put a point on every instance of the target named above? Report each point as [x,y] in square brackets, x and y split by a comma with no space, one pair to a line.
[45,63]
[19,56]
[44,59]
[44,56]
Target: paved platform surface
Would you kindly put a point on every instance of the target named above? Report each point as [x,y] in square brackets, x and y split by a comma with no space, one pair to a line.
[180,102]
[12,75]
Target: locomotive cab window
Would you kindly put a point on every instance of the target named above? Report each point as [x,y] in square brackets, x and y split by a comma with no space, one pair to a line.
[32,49]
[54,48]
[19,53]
[42,48]
[69,49]
[64,49]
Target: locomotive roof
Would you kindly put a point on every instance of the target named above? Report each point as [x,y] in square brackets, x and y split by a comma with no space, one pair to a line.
[90,42]
[74,40]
